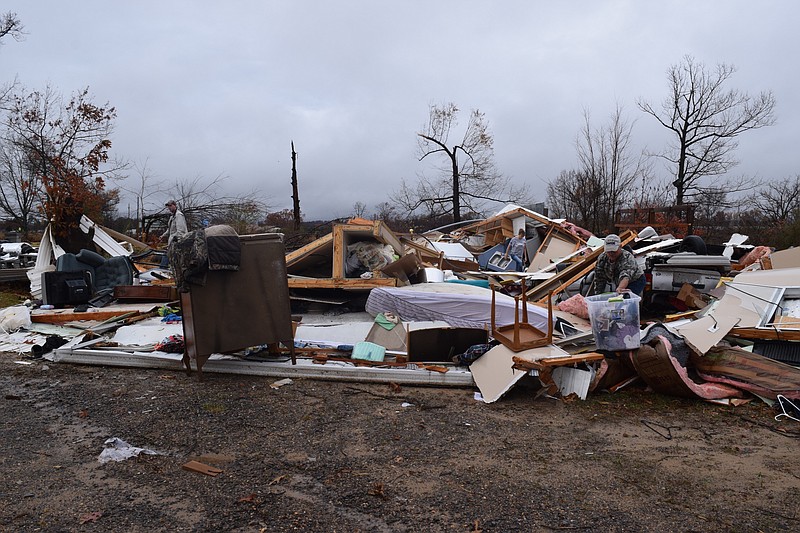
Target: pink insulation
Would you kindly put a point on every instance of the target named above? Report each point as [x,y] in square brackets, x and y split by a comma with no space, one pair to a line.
[575,305]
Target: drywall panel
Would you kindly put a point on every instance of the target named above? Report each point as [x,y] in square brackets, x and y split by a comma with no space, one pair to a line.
[494,374]
[788,258]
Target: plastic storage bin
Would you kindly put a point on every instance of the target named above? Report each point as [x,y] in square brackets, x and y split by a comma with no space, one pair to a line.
[615,323]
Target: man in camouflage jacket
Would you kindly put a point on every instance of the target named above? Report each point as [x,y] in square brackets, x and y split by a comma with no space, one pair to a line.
[618,267]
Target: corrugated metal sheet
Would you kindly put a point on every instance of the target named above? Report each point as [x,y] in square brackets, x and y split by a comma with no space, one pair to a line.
[783,351]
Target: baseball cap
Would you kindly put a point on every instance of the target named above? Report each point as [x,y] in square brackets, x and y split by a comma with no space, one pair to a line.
[611,244]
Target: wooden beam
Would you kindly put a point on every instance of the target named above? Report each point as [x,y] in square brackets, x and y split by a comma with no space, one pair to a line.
[520,363]
[339,252]
[67,315]
[296,255]
[387,236]
[341,283]
[774,334]
[424,253]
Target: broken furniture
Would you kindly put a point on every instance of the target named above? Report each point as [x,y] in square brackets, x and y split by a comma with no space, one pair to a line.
[49,250]
[546,239]
[64,316]
[239,309]
[494,371]
[66,286]
[104,273]
[521,336]
[404,269]
[546,366]
[437,255]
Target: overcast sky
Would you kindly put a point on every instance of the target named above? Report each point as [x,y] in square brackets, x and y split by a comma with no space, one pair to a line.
[209,88]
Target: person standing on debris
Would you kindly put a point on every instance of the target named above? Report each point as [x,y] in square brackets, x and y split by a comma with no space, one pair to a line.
[177,223]
[176,227]
[617,266]
[516,249]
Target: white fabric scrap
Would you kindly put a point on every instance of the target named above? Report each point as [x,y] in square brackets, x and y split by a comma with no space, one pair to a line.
[118,450]
[14,317]
[280,383]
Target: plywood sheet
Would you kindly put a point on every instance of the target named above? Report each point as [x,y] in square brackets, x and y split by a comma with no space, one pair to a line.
[552,249]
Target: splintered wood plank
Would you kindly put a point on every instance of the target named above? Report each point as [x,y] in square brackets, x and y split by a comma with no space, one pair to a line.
[341,283]
[60,316]
[521,363]
[777,333]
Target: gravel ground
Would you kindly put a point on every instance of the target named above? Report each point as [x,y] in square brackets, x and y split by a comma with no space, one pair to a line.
[328,457]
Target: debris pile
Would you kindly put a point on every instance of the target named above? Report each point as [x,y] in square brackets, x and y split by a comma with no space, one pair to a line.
[440,308]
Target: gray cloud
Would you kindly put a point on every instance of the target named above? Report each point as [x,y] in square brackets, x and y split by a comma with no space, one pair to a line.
[208,88]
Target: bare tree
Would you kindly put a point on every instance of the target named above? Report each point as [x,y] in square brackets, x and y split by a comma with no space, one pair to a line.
[204,202]
[575,196]
[19,189]
[245,215]
[144,190]
[654,192]
[779,201]
[465,176]
[11,25]
[385,211]
[705,120]
[710,216]
[359,209]
[607,178]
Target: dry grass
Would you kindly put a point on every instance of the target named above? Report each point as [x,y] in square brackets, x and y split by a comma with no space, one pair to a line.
[13,293]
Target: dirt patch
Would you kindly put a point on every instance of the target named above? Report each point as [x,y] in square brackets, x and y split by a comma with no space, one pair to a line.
[325,456]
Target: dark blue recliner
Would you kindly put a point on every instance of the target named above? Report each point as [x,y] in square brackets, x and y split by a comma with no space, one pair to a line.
[105,273]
